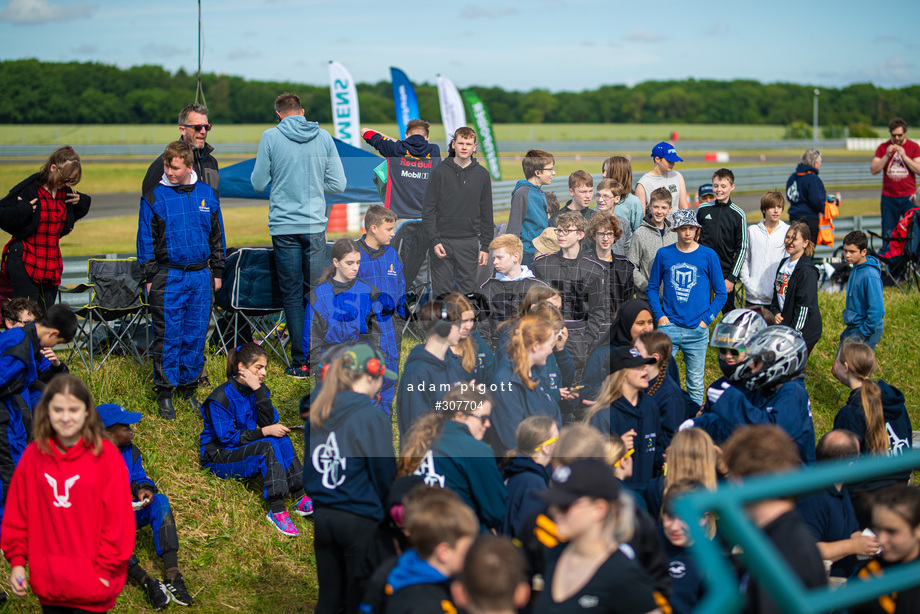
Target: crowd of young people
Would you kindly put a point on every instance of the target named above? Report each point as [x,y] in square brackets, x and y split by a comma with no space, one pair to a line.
[544,406]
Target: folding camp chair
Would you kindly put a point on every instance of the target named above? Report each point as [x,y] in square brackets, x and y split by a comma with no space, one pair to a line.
[248,306]
[116,315]
[411,244]
[903,270]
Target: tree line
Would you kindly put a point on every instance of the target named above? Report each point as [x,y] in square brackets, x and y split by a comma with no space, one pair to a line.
[89,93]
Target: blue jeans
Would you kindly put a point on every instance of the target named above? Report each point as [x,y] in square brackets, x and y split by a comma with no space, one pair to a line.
[693,342]
[852,333]
[893,209]
[299,261]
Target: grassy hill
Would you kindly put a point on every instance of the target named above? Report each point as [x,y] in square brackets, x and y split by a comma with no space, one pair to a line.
[233,560]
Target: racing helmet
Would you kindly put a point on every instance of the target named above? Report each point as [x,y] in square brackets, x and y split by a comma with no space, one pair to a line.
[775,355]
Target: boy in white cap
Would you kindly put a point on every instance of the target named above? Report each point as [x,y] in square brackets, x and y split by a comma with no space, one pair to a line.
[663,175]
[685,291]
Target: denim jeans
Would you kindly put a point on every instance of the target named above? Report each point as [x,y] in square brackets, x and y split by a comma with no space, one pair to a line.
[693,342]
[852,333]
[299,261]
[893,209]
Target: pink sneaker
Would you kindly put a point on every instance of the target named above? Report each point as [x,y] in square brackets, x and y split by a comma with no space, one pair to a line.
[283,523]
[304,507]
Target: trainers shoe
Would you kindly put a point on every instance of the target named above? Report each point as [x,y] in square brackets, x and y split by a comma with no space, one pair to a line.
[156,593]
[166,407]
[304,507]
[177,591]
[195,404]
[300,372]
[283,523]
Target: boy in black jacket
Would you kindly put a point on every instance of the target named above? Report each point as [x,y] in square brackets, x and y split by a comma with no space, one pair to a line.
[724,229]
[457,216]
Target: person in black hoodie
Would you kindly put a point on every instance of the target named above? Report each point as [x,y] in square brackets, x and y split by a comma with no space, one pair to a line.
[38,212]
[806,192]
[795,296]
[527,469]
[351,465]
[457,216]
[431,369]
[409,166]
[875,412]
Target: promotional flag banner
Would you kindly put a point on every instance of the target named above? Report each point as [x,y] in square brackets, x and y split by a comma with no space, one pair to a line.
[404,97]
[485,135]
[344,105]
[452,114]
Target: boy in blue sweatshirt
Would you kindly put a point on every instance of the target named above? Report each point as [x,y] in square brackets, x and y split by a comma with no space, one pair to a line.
[529,216]
[150,507]
[382,269]
[683,278]
[864,314]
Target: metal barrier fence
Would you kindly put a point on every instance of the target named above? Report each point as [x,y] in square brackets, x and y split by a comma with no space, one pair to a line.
[762,559]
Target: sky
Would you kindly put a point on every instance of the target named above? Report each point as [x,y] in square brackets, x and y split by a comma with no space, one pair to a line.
[559,45]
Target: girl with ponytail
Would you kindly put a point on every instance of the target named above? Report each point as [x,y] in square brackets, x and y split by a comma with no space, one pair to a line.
[876,413]
[527,470]
[674,406]
[242,436]
[344,309]
[521,392]
[445,448]
[474,353]
[350,467]
[795,297]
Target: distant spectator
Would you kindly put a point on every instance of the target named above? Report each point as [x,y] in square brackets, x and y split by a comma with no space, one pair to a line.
[38,211]
[704,194]
[619,169]
[724,230]
[663,175]
[300,161]
[652,235]
[805,191]
[529,213]
[864,314]
[409,166]
[457,216]
[900,159]
[766,248]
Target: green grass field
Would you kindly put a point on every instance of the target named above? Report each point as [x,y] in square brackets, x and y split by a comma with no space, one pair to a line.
[233,560]
[72,134]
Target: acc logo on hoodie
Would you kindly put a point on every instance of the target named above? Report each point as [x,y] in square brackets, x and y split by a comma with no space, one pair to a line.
[427,470]
[329,462]
[59,499]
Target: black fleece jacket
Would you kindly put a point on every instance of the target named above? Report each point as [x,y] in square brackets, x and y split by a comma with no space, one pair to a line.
[458,203]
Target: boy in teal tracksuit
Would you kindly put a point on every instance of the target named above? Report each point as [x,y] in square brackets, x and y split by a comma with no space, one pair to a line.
[529,216]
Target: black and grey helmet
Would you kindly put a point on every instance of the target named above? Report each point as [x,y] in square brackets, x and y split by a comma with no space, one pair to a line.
[775,355]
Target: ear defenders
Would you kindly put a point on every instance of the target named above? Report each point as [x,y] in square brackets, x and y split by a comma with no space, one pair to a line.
[443,323]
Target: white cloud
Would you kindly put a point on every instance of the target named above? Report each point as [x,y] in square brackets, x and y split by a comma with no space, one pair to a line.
[642,36]
[85,49]
[32,12]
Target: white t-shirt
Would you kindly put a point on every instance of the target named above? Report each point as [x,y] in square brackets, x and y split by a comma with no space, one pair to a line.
[670,180]
[782,281]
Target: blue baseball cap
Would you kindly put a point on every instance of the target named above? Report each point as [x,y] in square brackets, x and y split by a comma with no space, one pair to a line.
[113,414]
[705,190]
[666,151]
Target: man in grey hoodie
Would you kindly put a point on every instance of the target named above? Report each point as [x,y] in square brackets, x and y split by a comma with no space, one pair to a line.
[301,163]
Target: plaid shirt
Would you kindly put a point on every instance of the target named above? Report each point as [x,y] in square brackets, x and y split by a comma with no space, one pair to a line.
[620,285]
[581,282]
[41,253]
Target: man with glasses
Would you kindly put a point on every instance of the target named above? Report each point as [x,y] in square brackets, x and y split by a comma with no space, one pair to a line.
[900,159]
[193,129]
[582,283]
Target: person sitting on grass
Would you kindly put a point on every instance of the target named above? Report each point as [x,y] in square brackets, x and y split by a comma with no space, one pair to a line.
[17,313]
[150,508]
[242,437]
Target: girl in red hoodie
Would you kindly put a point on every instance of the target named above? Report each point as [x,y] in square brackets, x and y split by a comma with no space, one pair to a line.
[68,513]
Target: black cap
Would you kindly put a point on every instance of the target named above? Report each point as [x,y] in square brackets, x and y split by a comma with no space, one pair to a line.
[587,477]
[625,357]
